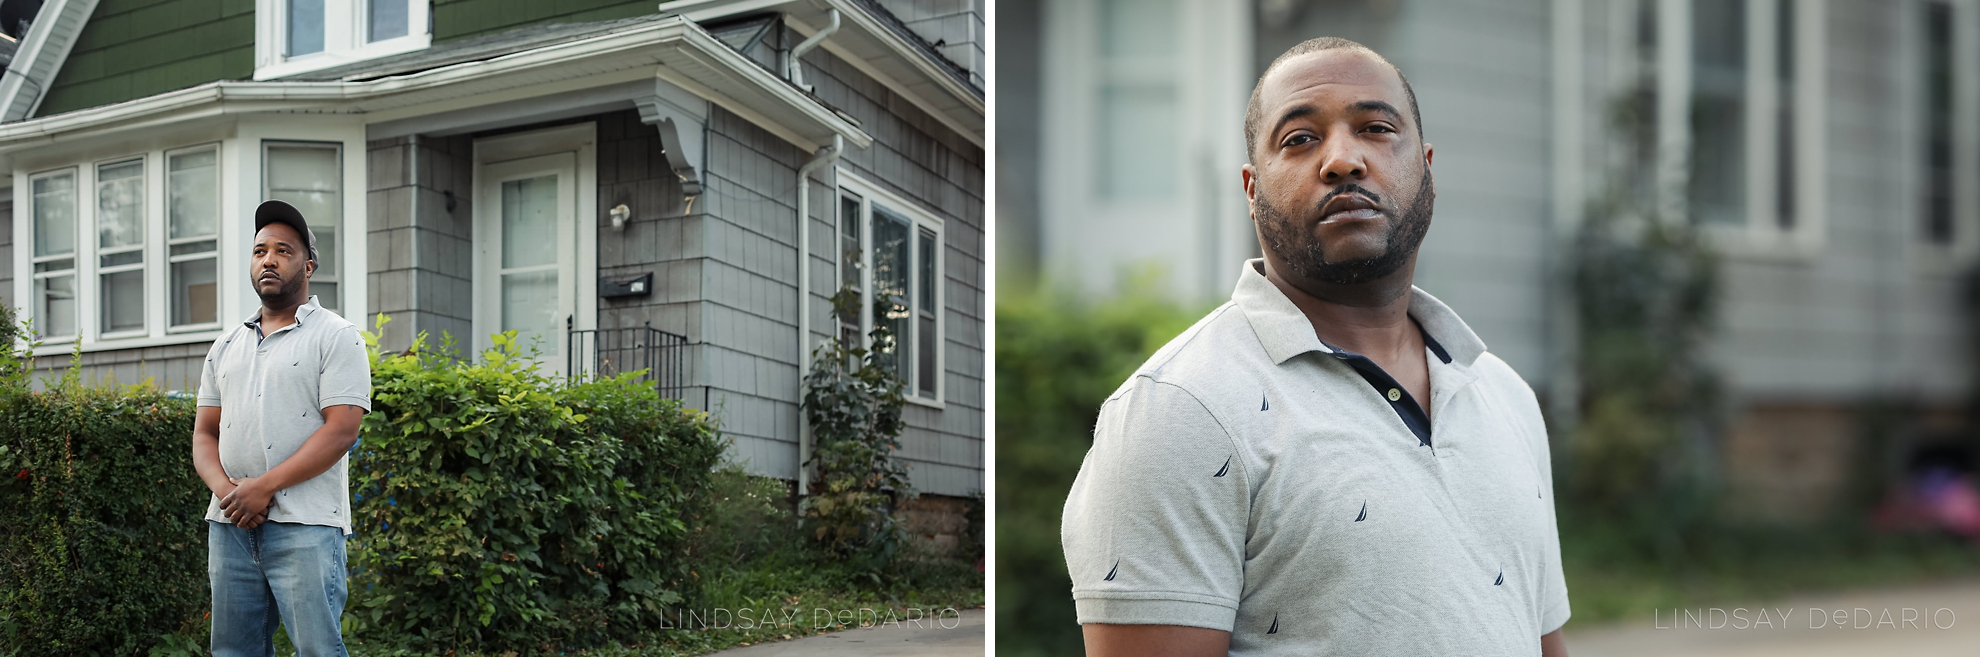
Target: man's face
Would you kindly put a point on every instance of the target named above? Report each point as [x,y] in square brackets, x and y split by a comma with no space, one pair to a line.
[1340,182]
[280,267]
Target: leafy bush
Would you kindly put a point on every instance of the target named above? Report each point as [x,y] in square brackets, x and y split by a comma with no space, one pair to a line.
[102,543]
[497,509]
[853,402]
[1058,357]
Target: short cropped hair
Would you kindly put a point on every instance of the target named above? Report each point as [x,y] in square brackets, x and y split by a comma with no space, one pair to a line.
[1252,112]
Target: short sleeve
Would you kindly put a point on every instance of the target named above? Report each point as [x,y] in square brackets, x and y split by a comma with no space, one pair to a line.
[1154,528]
[346,377]
[1554,610]
[209,378]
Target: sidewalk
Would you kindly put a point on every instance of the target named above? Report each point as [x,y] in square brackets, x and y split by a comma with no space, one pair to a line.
[1955,631]
[965,638]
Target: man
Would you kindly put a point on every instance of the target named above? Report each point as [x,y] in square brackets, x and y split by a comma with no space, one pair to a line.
[280,400]
[1269,483]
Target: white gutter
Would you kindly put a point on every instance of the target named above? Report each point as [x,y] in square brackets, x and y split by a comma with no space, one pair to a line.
[673,49]
[42,51]
[794,65]
[825,157]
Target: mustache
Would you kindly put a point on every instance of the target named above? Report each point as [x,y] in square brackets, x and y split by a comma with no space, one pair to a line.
[1348,188]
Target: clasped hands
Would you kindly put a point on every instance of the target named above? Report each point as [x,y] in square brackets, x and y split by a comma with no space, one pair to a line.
[247,504]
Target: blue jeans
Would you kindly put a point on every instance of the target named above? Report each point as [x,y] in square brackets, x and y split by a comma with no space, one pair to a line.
[278,572]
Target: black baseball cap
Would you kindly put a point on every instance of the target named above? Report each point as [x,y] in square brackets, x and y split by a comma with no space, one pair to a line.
[278,212]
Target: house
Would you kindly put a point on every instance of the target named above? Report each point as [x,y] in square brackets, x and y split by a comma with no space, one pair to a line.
[1826,148]
[680,189]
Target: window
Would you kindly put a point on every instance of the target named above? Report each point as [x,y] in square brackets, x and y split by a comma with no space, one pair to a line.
[120,229]
[310,177]
[295,36]
[895,274]
[1738,69]
[1138,99]
[192,188]
[1717,190]
[53,201]
[1937,203]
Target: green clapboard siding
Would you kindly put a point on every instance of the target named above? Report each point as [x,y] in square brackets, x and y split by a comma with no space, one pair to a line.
[461,19]
[136,48]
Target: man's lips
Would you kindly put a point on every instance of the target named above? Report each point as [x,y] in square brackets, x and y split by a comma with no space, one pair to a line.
[269,276]
[1348,207]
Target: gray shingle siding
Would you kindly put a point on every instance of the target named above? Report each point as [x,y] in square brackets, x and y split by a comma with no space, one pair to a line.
[170,367]
[420,252]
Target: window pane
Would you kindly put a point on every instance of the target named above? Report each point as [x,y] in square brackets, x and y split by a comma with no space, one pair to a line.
[311,178]
[326,294]
[193,194]
[388,19]
[55,215]
[55,306]
[123,301]
[927,280]
[1938,201]
[1717,190]
[1784,138]
[849,242]
[529,307]
[529,222]
[120,205]
[926,343]
[1136,126]
[194,293]
[305,27]
[891,252]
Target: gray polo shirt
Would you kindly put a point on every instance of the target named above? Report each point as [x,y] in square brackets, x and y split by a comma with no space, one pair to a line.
[271,392]
[1250,478]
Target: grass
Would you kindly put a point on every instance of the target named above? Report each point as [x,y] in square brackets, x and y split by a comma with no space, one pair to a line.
[1610,578]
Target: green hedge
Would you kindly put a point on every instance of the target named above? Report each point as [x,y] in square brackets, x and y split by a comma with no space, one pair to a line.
[1057,359]
[496,510]
[499,510]
[102,550]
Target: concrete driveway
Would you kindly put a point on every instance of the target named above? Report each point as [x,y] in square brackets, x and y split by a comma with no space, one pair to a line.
[1935,619]
[964,638]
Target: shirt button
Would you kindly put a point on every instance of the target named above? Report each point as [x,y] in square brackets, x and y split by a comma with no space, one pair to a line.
[1395,395]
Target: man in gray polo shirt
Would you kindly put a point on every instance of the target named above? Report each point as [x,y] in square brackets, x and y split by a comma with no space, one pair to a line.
[1268,483]
[280,400]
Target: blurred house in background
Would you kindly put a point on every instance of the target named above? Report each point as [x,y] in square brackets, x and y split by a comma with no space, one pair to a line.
[1828,149]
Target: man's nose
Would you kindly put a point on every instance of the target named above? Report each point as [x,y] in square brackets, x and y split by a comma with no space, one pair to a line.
[1342,162]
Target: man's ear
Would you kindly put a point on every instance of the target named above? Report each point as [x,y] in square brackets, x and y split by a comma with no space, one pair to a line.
[309,267]
[1429,153]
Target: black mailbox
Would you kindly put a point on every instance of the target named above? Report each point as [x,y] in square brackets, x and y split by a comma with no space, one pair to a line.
[611,287]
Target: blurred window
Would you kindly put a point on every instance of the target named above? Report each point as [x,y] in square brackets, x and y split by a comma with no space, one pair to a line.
[890,256]
[1717,189]
[1938,132]
[1135,127]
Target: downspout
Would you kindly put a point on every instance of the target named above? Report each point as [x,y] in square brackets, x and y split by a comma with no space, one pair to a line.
[791,63]
[825,157]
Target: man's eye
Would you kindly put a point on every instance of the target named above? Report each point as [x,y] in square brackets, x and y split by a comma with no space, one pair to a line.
[1378,128]
[1296,140]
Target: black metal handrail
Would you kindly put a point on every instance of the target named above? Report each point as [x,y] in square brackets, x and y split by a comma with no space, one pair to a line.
[598,353]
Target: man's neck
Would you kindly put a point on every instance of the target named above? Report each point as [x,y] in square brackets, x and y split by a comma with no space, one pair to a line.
[1371,319]
[276,314]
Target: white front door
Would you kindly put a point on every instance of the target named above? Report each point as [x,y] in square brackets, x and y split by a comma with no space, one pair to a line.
[526,254]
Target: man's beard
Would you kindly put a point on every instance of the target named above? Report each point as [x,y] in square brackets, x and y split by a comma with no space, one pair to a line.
[291,286]
[1296,245]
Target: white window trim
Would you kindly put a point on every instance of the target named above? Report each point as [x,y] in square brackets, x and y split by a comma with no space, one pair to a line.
[342,238]
[153,228]
[1761,237]
[343,37]
[24,253]
[923,220]
[1941,259]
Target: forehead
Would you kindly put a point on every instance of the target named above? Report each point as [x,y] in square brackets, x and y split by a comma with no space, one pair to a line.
[1342,75]
[278,232]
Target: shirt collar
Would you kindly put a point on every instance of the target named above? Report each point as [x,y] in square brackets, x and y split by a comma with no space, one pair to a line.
[303,311]
[1286,332]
